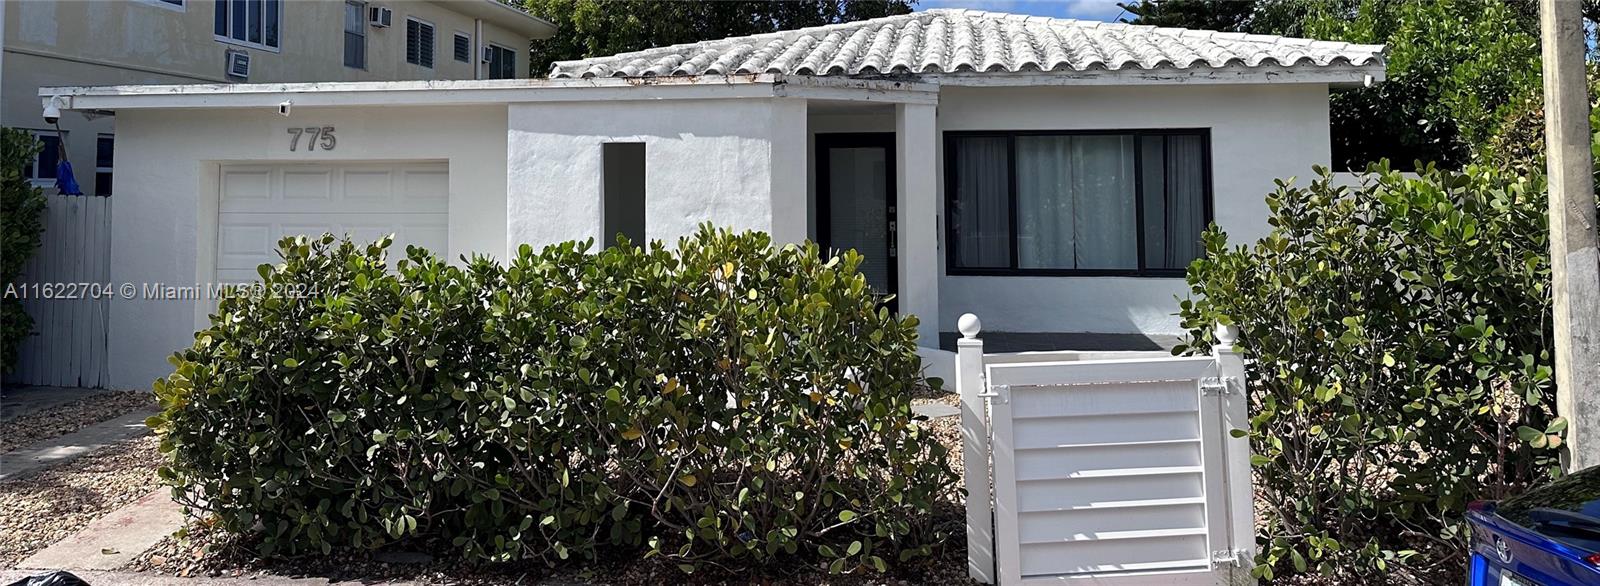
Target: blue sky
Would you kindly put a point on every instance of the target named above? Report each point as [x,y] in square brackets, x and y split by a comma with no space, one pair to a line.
[1104,10]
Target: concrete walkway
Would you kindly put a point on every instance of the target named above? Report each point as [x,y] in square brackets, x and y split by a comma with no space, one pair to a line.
[60,449]
[112,541]
[936,410]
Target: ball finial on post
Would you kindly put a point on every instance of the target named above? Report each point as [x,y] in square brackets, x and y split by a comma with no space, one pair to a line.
[1227,334]
[969,325]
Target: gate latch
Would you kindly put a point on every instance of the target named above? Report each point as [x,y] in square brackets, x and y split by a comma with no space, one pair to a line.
[1216,385]
[1227,557]
[998,394]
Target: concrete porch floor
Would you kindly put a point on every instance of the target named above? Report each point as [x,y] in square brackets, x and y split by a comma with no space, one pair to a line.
[1081,341]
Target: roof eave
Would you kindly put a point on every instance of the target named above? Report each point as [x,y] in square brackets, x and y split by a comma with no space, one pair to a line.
[1333,75]
[504,15]
[479,92]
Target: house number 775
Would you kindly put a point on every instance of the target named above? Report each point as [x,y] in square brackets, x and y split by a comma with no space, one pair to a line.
[311,134]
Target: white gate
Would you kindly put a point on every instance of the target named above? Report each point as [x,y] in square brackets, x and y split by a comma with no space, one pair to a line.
[1107,468]
[65,288]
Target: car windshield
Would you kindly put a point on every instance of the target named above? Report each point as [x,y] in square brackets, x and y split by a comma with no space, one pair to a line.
[1567,510]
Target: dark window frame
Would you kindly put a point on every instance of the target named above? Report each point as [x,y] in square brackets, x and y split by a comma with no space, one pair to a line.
[951,137]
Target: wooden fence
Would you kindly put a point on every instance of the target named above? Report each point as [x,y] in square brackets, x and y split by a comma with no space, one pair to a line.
[66,289]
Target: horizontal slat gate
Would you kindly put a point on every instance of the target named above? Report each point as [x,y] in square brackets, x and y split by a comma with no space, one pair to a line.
[1110,471]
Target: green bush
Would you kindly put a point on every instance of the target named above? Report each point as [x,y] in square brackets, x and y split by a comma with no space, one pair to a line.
[21,208]
[721,401]
[1399,344]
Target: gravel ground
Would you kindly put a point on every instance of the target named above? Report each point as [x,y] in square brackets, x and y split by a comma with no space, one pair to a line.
[65,419]
[39,509]
[206,552]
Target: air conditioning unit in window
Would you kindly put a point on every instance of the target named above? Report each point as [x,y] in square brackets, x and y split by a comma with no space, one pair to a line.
[380,16]
[238,64]
[487,55]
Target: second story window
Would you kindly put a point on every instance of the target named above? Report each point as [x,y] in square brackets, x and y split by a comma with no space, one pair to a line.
[502,63]
[252,23]
[463,48]
[419,43]
[355,34]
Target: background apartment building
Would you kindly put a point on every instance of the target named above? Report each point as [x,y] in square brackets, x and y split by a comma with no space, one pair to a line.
[118,42]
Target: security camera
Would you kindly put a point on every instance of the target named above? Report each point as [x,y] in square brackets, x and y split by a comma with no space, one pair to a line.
[284,106]
[52,111]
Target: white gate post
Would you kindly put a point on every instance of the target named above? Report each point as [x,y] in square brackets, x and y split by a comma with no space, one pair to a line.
[1236,415]
[975,451]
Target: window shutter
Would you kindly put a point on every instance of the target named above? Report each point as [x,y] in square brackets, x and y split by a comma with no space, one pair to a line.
[426,50]
[411,42]
[463,48]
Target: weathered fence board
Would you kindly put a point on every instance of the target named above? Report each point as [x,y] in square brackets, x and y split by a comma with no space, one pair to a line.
[65,288]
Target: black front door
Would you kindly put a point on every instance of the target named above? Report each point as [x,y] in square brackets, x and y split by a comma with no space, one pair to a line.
[856,202]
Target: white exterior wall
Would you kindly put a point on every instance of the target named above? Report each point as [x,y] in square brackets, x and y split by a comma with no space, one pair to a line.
[733,162]
[1258,133]
[164,220]
[530,173]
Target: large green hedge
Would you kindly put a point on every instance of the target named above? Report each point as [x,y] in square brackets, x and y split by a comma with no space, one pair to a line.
[722,400]
[21,222]
[1399,343]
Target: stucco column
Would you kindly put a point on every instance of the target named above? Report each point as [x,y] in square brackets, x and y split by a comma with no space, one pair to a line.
[789,223]
[917,216]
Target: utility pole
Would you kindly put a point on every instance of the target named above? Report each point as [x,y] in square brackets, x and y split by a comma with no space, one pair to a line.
[1574,259]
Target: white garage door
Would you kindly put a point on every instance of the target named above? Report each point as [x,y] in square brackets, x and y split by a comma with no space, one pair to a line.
[260,204]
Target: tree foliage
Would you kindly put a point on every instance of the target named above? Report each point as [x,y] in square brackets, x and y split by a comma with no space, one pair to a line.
[1399,343]
[722,400]
[591,28]
[1279,17]
[21,211]
[1455,69]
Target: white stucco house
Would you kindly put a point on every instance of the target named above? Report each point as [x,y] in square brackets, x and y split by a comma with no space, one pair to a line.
[1051,175]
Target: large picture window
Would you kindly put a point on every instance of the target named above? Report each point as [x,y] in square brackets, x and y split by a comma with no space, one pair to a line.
[1113,203]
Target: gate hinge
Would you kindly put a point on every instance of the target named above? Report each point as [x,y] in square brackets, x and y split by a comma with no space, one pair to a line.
[1228,557]
[1217,385]
[998,394]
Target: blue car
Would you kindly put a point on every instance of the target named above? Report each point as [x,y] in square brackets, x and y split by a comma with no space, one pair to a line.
[1549,536]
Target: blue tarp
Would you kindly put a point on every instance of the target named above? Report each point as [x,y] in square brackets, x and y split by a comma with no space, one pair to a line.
[64,179]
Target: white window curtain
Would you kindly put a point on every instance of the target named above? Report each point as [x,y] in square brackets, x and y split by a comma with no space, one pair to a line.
[1185,210]
[982,213]
[1075,202]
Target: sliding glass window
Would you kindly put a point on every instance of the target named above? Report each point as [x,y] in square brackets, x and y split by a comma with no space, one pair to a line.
[1128,203]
